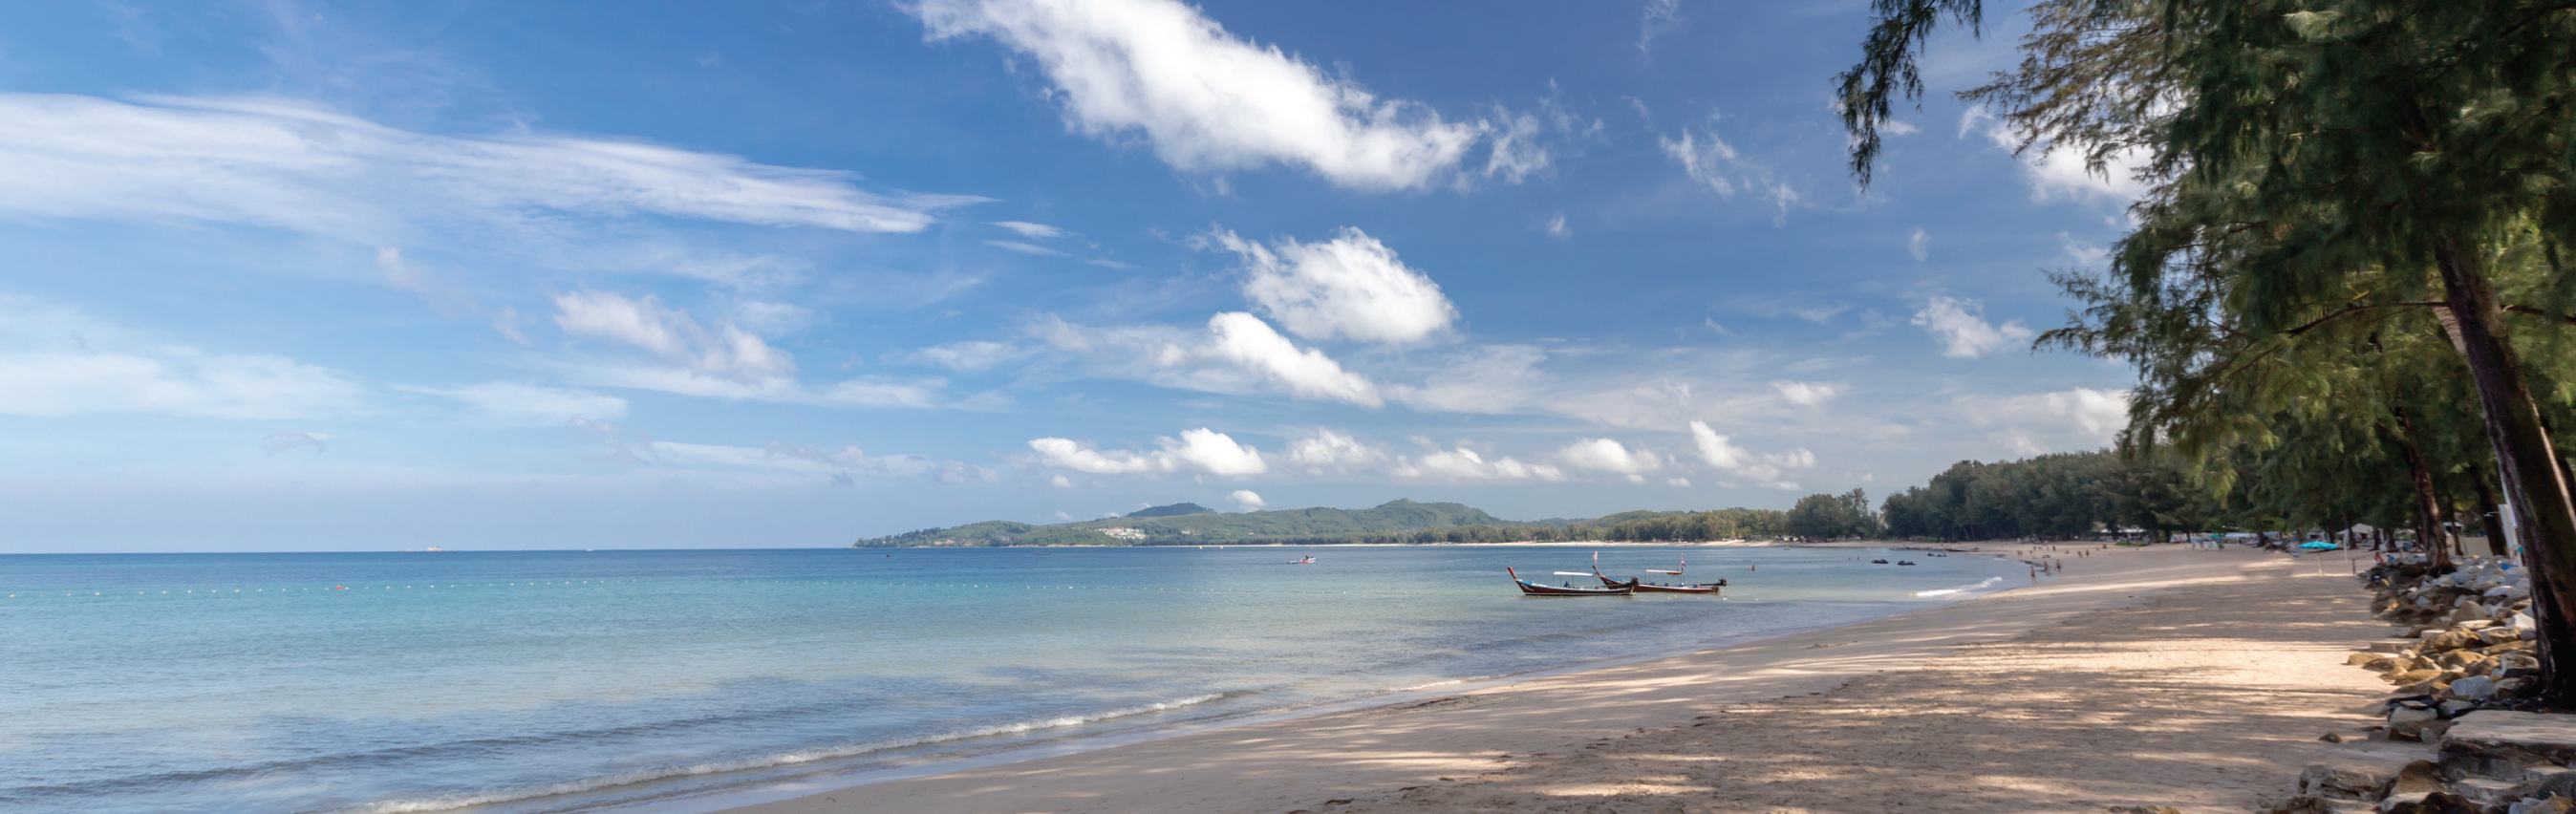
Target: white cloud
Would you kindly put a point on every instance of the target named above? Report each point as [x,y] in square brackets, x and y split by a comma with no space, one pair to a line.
[1806,394]
[1556,227]
[1247,499]
[1482,379]
[1025,248]
[1659,16]
[1606,455]
[967,357]
[1238,353]
[1763,469]
[58,362]
[836,464]
[1206,100]
[1249,343]
[1200,450]
[292,165]
[1515,154]
[724,362]
[1462,463]
[1327,449]
[728,352]
[2057,172]
[1350,287]
[1714,449]
[1033,231]
[517,404]
[1919,244]
[1704,161]
[1961,327]
[2079,419]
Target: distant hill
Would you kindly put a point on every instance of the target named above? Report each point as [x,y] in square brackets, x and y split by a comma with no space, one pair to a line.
[1174,510]
[1192,524]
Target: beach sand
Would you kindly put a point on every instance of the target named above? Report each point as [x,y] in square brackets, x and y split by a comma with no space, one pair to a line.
[2195,679]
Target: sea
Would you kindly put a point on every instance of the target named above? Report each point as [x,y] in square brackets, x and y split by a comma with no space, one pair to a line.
[521,682]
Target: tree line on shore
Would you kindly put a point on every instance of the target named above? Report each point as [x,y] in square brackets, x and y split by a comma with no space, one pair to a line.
[2345,287]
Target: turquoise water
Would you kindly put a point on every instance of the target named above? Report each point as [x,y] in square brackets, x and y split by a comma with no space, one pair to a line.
[515,682]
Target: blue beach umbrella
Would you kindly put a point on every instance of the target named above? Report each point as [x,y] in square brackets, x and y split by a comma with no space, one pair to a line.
[2318,545]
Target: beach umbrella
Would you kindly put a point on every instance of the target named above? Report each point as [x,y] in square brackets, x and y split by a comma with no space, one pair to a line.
[2318,545]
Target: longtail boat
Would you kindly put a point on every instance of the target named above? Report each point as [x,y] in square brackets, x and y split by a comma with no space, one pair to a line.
[1529,588]
[1640,585]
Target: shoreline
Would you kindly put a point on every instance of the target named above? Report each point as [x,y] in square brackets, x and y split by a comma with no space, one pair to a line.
[1388,745]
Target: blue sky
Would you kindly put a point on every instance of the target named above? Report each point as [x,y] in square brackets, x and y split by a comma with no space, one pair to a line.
[303,275]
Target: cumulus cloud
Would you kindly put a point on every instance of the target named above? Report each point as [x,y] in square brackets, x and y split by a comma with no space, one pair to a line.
[2057,172]
[727,352]
[1606,455]
[1762,469]
[1204,99]
[1961,327]
[2068,420]
[292,165]
[1327,449]
[1461,463]
[516,404]
[1350,287]
[1200,450]
[1238,353]
[1247,500]
[1806,394]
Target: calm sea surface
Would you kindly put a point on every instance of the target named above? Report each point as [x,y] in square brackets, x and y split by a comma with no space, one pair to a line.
[514,682]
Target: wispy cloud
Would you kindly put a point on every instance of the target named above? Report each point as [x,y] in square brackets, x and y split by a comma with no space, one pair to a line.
[289,164]
[58,362]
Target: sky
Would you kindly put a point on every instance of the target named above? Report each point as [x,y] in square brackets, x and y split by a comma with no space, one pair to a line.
[301,275]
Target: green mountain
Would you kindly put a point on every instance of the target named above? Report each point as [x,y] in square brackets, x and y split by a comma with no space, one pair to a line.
[1168,525]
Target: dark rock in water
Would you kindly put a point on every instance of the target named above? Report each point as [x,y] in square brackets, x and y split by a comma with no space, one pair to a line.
[1174,510]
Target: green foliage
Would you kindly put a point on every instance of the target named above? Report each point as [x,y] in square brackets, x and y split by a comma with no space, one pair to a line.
[1825,517]
[2058,496]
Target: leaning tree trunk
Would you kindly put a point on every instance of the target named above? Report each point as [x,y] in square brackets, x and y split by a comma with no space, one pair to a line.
[2489,521]
[2428,508]
[2533,478]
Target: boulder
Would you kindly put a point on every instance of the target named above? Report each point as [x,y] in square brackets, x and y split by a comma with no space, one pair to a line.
[2413,676]
[2474,688]
[2553,805]
[2503,744]
[2500,635]
[2361,770]
[2438,802]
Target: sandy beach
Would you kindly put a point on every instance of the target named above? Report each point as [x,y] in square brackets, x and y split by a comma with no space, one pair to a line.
[2195,679]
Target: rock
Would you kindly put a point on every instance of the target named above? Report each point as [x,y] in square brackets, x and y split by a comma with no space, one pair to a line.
[2439,802]
[2413,676]
[2501,744]
[2553,805]
[2476,688]
[2545,781]
[2378,663]
[2418,776]
[2483,791]
[2300,804]
[2500,635]
[2360,771]
[2145,810]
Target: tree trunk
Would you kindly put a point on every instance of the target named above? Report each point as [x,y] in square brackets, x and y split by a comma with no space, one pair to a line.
[2489,521]
[2534,479]
[2428,509]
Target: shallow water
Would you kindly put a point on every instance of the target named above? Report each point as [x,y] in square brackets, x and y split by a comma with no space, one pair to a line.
[575,681]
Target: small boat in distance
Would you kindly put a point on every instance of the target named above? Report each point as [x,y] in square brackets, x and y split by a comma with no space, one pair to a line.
[1878,562]
[1905,562]
[1307,560]
[1529,588]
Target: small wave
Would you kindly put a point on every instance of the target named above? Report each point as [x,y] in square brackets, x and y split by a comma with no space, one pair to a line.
[456,801]
[1990,581]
